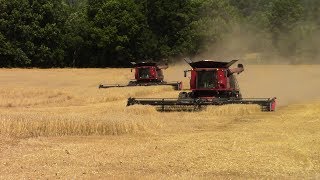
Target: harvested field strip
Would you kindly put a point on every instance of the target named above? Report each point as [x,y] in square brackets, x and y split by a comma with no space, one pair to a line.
[113,121]
[35,125]
[28,97]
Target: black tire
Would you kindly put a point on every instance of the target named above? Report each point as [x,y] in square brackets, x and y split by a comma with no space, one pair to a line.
[183,95]
[132,83]
[190,95]
[179,86]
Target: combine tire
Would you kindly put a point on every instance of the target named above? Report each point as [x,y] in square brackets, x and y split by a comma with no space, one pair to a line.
[183,95]
[131,83]
[178,86]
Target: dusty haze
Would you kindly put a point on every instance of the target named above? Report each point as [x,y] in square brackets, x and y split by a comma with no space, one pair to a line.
[255,45]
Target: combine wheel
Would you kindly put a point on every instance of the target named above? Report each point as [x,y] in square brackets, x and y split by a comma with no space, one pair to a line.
[183,95]
[190,95]
[178,86]
[131,83]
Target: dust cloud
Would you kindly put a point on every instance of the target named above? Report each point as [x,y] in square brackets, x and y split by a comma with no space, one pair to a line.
[292,78]
[253,45]
[289,83]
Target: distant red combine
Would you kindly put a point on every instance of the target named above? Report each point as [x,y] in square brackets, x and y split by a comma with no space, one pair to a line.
[147,74]
[211,83]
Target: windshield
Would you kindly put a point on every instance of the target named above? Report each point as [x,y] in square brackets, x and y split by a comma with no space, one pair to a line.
[206,79]
[144,73]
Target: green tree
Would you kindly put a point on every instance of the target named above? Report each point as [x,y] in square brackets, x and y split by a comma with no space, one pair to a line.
[34,29]
[284,16]
[99,33]
[77,42]
[216,20]
[118,32]
[171,23]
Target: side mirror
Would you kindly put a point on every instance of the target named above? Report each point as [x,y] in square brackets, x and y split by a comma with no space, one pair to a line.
[240,68]
[240,65]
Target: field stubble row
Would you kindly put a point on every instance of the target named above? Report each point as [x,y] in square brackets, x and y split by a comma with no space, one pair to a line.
[59,102]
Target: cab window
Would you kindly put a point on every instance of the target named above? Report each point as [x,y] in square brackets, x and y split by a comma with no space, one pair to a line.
[206,79]
[144,73]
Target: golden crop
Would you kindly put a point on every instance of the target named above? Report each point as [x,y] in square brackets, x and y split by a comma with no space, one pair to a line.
[57,123]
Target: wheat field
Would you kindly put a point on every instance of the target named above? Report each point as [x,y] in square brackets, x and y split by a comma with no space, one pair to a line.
[56,123]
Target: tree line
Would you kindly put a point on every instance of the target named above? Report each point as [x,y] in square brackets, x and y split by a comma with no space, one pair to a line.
[111,33]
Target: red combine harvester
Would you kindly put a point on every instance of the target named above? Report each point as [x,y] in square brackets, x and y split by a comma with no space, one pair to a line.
[211,83]
[147,74]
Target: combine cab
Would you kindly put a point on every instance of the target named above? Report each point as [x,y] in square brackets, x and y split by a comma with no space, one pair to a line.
[211,83]
[147,74]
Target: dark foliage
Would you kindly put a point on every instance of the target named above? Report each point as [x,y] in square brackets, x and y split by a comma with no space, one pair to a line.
[111,33]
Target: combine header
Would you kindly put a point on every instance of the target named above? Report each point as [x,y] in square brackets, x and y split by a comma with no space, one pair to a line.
[211,83]
[147,74]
